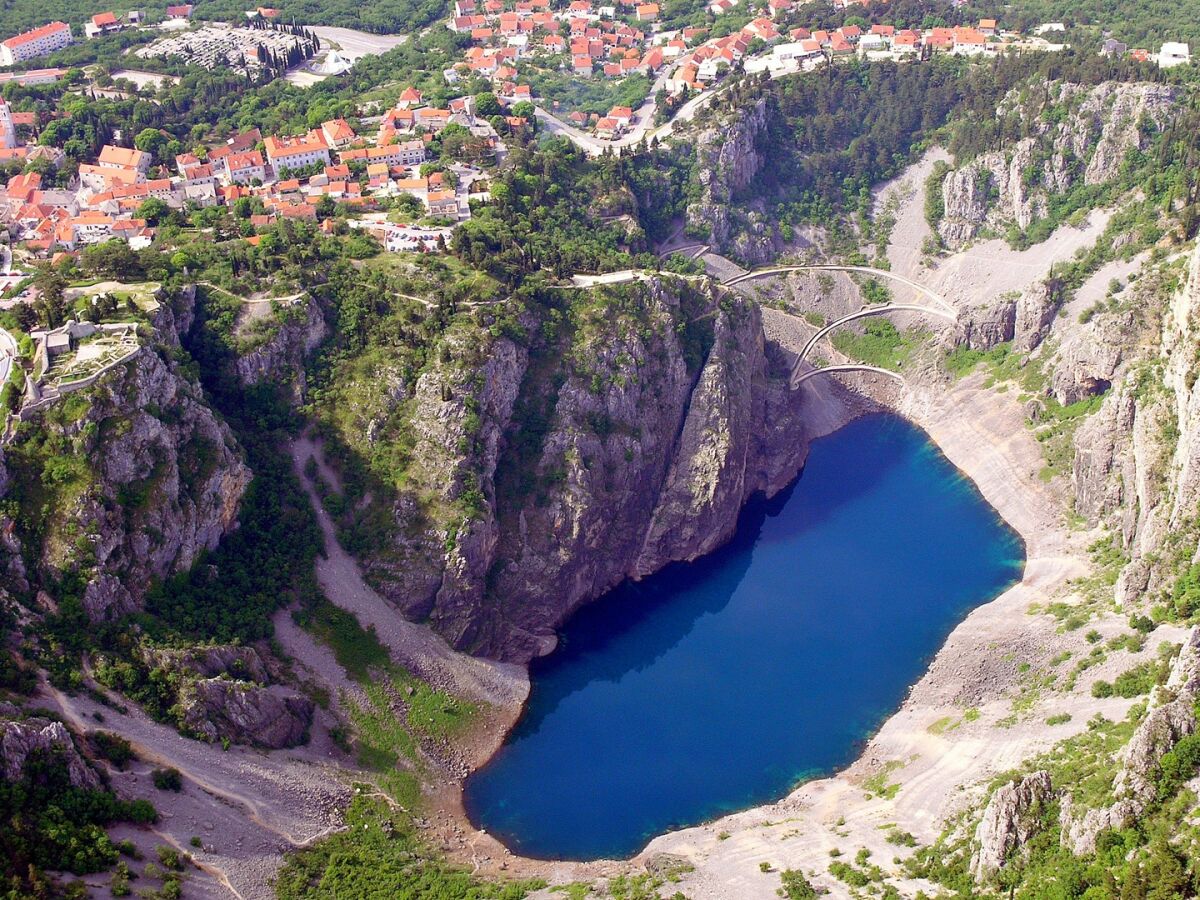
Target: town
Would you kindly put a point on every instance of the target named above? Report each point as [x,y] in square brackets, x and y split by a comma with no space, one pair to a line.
[410,173]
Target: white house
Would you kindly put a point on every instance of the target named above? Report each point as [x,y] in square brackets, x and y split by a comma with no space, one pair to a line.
[1173,53]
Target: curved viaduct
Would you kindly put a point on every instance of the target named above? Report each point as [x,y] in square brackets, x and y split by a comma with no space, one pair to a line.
[868,270]
[853,367]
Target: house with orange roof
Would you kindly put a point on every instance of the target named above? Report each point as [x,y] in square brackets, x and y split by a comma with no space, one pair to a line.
[102,23]
[647,12]
[285,153]
[338,133]
[442,203]
[969,42]
[243,168]
[126,158]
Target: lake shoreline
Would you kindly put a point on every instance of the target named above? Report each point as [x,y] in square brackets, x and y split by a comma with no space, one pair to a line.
[983,435]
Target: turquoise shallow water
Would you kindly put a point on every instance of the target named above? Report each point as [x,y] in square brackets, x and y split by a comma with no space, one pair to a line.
[718,685]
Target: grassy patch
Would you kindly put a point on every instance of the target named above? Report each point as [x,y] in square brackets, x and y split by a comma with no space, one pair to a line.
[381,855]
[881,344]
[879,784]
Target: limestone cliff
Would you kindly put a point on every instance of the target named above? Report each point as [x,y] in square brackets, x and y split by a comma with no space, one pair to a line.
[1012,816]
[22,735]
[291,333]
[627,434]
[1073,136]
[1137,461]
[728,160]
[120,484]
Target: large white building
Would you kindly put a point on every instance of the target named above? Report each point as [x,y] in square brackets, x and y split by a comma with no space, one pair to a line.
[8,131]
[296,153]
[37,42]
[1173,53]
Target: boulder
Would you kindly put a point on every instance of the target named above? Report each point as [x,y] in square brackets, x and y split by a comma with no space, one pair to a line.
[216,709]
[1011,818]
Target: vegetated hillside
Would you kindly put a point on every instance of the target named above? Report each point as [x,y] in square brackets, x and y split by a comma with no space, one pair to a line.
[830,136]
[1060,149]
[1140,23]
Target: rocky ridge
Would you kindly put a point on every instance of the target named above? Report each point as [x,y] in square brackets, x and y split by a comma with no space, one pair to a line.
[21,736]
[1077,136]
[728,160]
[144,478]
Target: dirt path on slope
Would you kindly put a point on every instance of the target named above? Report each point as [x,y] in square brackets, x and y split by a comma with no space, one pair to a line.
[413,646]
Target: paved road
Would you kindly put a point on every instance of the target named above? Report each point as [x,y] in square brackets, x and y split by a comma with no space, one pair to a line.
[357,44]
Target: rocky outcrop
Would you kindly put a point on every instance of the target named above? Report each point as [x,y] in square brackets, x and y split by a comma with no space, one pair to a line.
[1137,460]
[728,160]
[279,359]
[145,478]
[1010,819]
[1075,135]
[21,737]
[1172,716]
[243,663]
[215,709]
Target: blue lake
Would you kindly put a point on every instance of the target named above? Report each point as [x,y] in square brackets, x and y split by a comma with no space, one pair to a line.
[718,685]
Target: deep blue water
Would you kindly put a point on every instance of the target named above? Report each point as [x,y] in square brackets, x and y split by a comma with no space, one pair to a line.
[720,684]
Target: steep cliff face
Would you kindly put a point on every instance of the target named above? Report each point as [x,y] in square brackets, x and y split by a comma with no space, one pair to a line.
[1075,136]
[120,484]
[1137,461]
[294,331]
[628,435]
[728,160]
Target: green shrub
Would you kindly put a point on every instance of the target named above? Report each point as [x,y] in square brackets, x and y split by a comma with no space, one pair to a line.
[796,886]
[168,779]
[112,747]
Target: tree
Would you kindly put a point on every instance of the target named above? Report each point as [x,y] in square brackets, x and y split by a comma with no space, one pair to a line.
[151,140]
[486,105]
[51,303]
[112,258]
[153,210]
